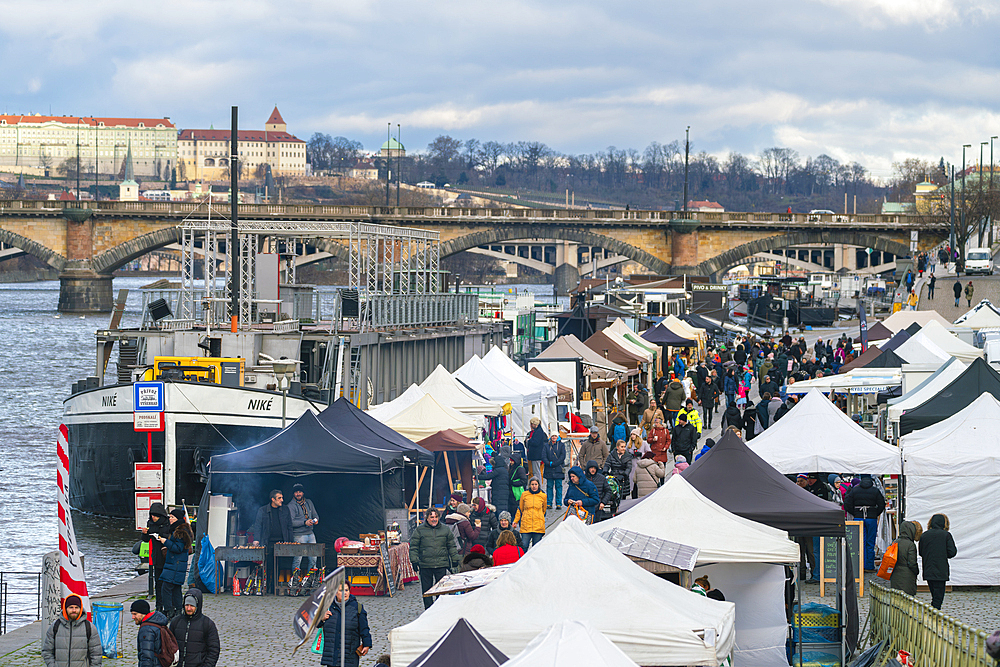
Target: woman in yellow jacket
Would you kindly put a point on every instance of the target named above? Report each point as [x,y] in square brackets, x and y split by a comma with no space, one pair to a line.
[911,300]
[531,513]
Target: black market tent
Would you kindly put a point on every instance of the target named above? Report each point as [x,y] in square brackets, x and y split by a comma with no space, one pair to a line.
[349,483]
[897,340]
[461,645]
[913,328]
[355,425]
[662,335]
[887,359]
[732,476]
[977,379]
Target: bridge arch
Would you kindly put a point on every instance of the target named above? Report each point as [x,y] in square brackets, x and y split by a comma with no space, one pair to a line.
[33,248]
[734,256]
[521,232]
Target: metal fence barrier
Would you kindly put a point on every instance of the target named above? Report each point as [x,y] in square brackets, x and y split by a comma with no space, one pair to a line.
[933,639]
[22,602]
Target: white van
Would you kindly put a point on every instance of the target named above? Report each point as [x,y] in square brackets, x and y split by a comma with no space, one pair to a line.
[979,260]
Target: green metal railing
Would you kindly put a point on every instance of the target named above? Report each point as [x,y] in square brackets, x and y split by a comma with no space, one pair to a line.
[933,639]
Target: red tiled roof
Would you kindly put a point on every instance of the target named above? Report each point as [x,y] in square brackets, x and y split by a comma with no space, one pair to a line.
[275,117]
[91,121]
[704,204]
[242,135]
[66,196]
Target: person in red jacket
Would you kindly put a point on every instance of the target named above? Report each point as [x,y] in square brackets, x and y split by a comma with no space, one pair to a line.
[507,551]
[659,441]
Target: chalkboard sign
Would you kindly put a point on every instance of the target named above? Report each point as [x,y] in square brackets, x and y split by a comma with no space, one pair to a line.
[830,563]
[390,581]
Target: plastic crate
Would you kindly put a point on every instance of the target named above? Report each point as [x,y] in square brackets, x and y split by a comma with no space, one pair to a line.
[816,635]
[815,615]
[817,659]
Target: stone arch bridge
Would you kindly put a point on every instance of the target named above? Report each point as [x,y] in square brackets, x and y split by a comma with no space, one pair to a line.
[88,241]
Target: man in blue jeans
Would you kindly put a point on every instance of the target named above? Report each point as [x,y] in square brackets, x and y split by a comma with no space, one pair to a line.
[304,519]
[554,457]
[865,503]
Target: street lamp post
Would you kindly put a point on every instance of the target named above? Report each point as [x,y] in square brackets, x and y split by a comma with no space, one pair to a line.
[964,229]
[981,220]
[991,192]
[284,370]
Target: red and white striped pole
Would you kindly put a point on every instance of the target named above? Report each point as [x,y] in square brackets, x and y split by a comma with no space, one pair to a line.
[71,576]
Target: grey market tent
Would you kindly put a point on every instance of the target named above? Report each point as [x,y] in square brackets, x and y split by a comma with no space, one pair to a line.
[977,379]
[355,425]
[879,331]
[661,335]
[862,360]
[461,645]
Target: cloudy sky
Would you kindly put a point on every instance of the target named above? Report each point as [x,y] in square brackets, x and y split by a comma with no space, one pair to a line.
[868,80]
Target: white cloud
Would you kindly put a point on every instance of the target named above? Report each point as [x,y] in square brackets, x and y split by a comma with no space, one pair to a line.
[929,13]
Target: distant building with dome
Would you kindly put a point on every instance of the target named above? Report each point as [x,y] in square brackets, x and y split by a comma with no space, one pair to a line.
[392,149]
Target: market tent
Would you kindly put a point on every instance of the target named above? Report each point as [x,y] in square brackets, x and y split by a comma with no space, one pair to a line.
[446,390]
[571,644]
[460,645]
[662,335]
[642,351]
[951,344]
[525,403]
[931,385]
[517,377]
[913,329]
[953,468]
[734,477]
[897,339]
[904,318]
[978,378]
[920,349]
[684,329]
[426,417]
[386,411]
[352,424]
[815,436]
[879,331]
[886,359]
[741,557]
[565,394]
[862,360]
[453,459]
[984,314]
[700,322]
[571,347]
[604,344]
[623,330]
[350,484]
[573,574]
[823,384]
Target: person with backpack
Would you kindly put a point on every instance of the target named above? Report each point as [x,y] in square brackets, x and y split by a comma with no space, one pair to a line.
[554,457]
[534,444]
[500,476]
[157,646]
[618,430]
[158,524]
[177,549]
[72,640]
[518,480]
[433,551]
[357,634]
[196,634]
[461,527]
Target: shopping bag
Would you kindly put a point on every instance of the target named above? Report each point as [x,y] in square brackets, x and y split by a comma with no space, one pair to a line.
[888,561]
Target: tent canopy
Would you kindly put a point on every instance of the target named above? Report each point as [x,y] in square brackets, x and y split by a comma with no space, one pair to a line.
[886,359]
[879,331]
[565,394]
[461,645]
[653,621]
[426,417]
[525,401]
[446,390]
[815,436]
[607,346]
[919,349]
[350,423]
[496,359]
[978,378]
[641,351]
[383,412]
[862,360]
[447,441]
[568,347]
[984,314]
[931,385]
[623,330]
[953,468]
[305,447]
[951,344]
[897,339]
[904,318]
[679,513]
[732,476]
[570,644]
[662,335]
[700,322]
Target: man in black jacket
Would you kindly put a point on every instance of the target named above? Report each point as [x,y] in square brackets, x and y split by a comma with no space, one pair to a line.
[683,438]
[708,395]
[866,502]
[768,386]
[603,510]
[196,634]
[273,524]
[534,445]
[157,526]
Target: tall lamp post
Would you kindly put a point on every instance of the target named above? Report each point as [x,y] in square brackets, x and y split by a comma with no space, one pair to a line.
[284,370]
[982,222]
[965,199]
[991,193]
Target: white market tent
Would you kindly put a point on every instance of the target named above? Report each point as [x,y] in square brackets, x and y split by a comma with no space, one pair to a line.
[742,558]
[386,411]
[953,468]
[517,377]
[815,436]
[904,318]
[525,403]
[927,389]
[634,348]
[984,314]
[575,575]
[448,391]
[823,384]
[683,329]
[426,417]
[951,344]
[920,349]
[571,644]
[623,330]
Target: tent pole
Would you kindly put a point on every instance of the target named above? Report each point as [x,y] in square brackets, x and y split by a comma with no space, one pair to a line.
[447,468]
[798,590]
[430,494]
[416,492]
[381,484]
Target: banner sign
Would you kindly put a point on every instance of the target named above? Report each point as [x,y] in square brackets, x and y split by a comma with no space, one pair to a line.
[71,577]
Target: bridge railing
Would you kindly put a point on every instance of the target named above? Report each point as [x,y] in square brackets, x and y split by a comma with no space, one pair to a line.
[437,213]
